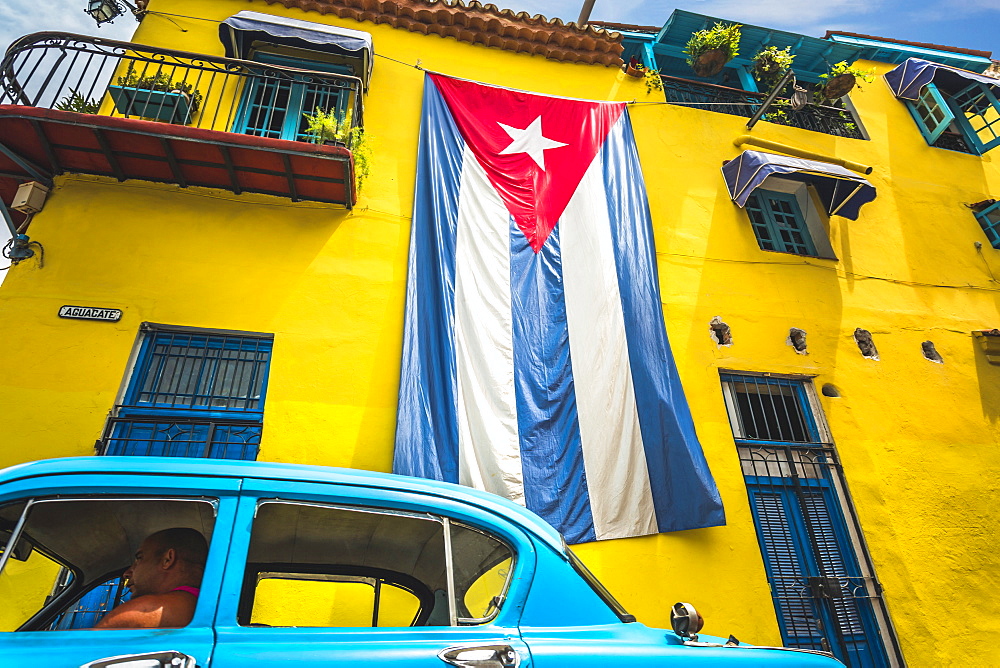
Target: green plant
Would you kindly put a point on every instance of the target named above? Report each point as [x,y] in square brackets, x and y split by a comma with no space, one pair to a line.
[160,81]
[842,67]
[74,101]
[721,36]
[771,62]
[778,112]
[652,79]
[324,126]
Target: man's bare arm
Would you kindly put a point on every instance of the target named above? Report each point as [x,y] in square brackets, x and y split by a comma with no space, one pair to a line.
[152,611]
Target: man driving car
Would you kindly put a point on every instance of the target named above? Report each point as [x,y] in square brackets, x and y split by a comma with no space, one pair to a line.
[165,580]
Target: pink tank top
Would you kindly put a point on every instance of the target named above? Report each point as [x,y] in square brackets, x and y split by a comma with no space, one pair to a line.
[190,590]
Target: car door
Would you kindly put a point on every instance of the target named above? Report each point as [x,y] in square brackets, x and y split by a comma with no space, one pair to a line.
[73,527]
[304,555]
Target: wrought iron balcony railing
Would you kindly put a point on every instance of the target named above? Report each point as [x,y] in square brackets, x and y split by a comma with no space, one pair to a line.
[709,97]
[99,76]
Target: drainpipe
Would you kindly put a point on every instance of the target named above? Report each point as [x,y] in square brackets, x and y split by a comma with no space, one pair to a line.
[801,153]
[588,6]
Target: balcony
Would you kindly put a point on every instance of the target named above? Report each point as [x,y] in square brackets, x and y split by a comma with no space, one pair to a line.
[78,104]
[837,121]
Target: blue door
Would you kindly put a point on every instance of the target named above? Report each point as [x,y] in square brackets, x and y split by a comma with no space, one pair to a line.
[359,580]
[90,526]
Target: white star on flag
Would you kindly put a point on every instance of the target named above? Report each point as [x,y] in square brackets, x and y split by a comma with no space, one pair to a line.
[531,141]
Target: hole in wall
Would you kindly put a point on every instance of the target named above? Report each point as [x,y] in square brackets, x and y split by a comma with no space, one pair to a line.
[830,390]
[865,344]
[930,352]
[797,340]
[720,332]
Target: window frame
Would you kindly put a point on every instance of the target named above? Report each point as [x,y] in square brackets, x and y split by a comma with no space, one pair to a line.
[376,506]
[991,228]
[772,226]
[931,101]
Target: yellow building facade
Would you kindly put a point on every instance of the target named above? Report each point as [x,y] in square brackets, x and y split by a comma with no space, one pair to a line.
[916,435]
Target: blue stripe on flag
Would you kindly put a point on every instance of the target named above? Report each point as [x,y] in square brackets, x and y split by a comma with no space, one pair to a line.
[555,483]
[427,423]
[684,492]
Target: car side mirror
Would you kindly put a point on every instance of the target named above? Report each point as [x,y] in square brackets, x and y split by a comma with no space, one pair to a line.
[685,620]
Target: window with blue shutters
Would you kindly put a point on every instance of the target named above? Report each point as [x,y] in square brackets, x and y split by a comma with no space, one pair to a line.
[275,107]
[989,220]
[778,223]
[822,582]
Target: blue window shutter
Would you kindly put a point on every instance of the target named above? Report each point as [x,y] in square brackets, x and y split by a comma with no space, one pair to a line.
[931,112]
[977,112]
[778,223]
[781,544]
[989,220]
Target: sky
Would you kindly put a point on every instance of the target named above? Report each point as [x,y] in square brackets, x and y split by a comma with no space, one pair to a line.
[972,24]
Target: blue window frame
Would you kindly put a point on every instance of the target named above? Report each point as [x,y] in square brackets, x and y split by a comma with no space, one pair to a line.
[823,598]
[193,395]
[274,106]
[974,111]
[989,220]
[932,113]
[778,223]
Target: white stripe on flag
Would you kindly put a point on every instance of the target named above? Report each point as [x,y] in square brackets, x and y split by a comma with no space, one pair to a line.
[488,446]
[617,478]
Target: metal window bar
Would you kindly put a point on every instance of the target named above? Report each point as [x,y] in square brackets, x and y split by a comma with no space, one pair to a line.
[831,120]
[132,80]
[199,372]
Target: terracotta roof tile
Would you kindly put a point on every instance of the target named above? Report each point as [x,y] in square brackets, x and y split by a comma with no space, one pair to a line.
[478,23]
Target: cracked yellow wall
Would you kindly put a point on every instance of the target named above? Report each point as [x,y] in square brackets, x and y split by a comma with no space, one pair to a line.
[918,440]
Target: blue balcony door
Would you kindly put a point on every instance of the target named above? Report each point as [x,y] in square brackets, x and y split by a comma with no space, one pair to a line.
[825,593]
[275,105]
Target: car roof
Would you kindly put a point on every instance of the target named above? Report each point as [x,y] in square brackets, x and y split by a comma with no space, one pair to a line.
[227,468]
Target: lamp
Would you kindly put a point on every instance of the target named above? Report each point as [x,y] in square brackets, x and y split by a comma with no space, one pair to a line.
[106,11]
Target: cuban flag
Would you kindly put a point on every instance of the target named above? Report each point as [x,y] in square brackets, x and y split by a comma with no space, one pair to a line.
[535,360]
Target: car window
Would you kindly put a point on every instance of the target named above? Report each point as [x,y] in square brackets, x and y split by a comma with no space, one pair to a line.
[482,566]
[69,549]
[318,565]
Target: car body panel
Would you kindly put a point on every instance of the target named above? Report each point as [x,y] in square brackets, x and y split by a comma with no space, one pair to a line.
[550,615]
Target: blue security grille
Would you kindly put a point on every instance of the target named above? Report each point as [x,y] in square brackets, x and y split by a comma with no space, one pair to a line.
[183,438]
[778,223]
[989,220]
[822,597]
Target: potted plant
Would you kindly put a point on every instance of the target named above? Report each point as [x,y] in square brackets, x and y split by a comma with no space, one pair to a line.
[155,96]
[75,101]
[841,78]
[770,63]
[326,127]
[635,68]
[709,50]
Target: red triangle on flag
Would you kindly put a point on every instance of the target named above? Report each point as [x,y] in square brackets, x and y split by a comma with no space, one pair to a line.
[534,148]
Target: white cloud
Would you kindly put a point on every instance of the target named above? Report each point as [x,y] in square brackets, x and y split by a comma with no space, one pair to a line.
[22,17]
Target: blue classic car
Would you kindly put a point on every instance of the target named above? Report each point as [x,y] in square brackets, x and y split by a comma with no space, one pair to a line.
[315,566]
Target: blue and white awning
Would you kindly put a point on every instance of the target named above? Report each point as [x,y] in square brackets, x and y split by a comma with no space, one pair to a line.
[239,32]
[842,191]
[907,80]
